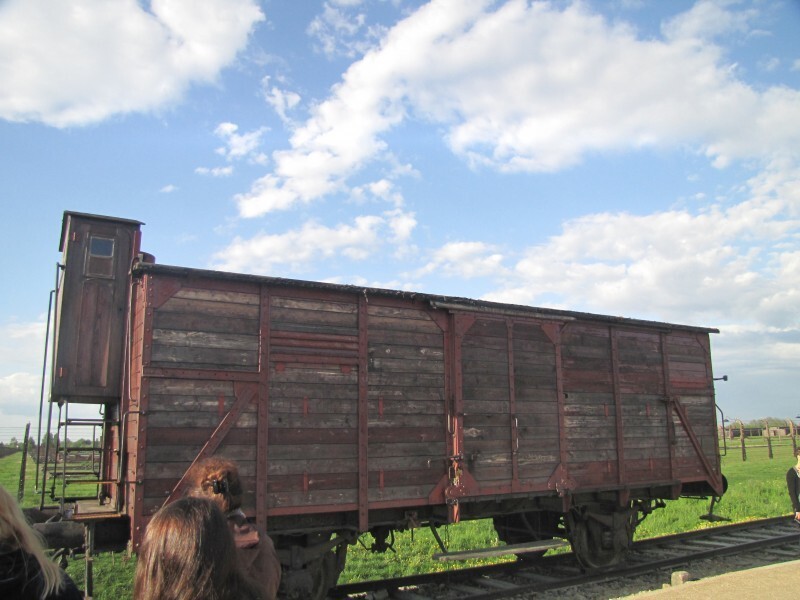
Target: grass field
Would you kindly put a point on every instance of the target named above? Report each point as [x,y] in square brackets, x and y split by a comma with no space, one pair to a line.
[757,489]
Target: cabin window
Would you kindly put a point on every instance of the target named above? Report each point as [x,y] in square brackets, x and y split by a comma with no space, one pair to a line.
[100,257]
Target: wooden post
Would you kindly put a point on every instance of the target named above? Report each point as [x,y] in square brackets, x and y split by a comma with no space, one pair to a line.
[769,438]
[793,433]
[23,465]
[741,437]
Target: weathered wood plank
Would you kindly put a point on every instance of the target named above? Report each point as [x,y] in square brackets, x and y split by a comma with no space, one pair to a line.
[188,293]
[306,374]
[399,493]
[310,405]
[218,404]
[405,365]
[189,357]
[313,451]
[405,463]
[298,436]
[489,345]
[210,308]
[405,338]
[430,476]
[300,465]
[315,498]
[376,310]
[313,329]
[166,418]
[424,380]
[485,367]
[477,381]
[289,390]
[392,407]
[487,328]
[542,459]
[486,394]
[399,394]
[531,399]
[406,434]
[426,449]
[190,387]
[202,339]
[485,433]
[382,350]
[530,436]
[406,421]
[478,419]
[313,305]
[184,453]
[314,481]
[197,435]
[379,323]
[321,319]
[312,421]
[195,322]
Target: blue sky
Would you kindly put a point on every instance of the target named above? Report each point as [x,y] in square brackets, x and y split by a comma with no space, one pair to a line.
[631,157]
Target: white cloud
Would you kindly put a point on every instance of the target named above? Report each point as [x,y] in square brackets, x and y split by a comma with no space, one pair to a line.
[240,145]
[21,350]
[341,31]
[19,393]
[708,19]
[529,87]
[168,189]
[296,249]
[226,171]
[736,265]
[282,101]
[79,62]
[384,189]
[466,260]
[21,345]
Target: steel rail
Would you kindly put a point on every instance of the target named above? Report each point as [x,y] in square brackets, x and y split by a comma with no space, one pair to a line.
[561,570]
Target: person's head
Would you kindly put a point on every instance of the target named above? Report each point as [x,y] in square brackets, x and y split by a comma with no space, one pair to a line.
[217,479]
[188,553]
[17,534]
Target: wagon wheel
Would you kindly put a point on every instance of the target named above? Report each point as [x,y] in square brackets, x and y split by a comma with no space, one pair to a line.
[315,578]
[600,540]
[321,575]
[527,527]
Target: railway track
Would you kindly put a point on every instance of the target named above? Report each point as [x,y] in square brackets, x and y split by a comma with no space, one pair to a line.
[777,536]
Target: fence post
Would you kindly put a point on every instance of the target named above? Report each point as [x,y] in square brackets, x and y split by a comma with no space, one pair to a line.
[793,433]
[769,438]
[22,468]
[741,437]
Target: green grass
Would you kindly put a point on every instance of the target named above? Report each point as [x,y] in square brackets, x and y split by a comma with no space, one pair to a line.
[757,489]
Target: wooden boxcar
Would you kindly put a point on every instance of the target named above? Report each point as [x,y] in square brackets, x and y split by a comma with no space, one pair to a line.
[353,410]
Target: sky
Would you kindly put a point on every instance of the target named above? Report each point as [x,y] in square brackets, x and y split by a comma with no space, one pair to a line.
[635,158]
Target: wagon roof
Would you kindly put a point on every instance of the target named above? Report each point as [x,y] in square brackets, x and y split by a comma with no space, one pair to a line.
[92,217]
[443,302]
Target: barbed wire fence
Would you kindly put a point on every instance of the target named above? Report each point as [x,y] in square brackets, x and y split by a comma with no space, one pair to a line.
[16,432]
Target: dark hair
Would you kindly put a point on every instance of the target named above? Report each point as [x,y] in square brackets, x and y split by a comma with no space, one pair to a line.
[217,479]
[188,553]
